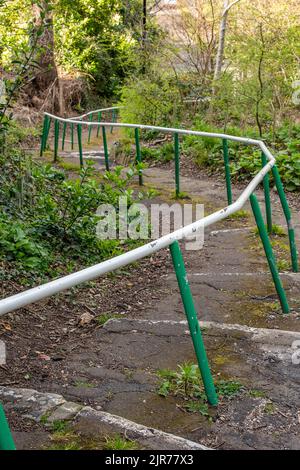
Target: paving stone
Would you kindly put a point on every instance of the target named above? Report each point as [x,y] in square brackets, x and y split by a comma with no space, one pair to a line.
[65,412]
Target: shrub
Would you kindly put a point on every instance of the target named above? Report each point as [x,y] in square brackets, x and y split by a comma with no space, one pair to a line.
[154,102]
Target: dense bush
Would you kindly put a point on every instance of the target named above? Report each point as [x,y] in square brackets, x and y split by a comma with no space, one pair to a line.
[49,220]
[246,160]
[151,101]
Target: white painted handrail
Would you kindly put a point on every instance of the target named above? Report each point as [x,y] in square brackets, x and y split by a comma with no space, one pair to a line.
[50,288]
[243,140]
[96,111]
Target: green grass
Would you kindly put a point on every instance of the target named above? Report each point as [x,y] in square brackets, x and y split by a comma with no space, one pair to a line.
[104,317]
[68,439]
[269,408]
[64,437]
[283,265]
[181,195]
[239,215]
[254,393]
[117,442]
[83,384]
[69,166]
[277,231]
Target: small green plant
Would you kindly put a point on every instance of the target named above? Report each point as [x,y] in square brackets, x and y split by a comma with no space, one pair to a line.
[117,442]
[269,408]
[278,231]
[60,426]
[186,383]
[83,384]
[239,215]
[181,195]
[104,317]
[283,265]
[256,393]
[197,407]
[228,388]
[18,245]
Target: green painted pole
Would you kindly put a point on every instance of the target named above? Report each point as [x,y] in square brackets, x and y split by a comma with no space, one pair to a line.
[227,171]
[138,153]
[105,146]
[47,132]
[43,137]
[79,136]
[193,322]
[177,164]
[266,184]
[64,136]
[72,136]
[288,217]
[90,129]
[56,139]
[6,439]
[99,120]
[269,253]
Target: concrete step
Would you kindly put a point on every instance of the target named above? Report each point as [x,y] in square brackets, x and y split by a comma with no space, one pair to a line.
[121,378]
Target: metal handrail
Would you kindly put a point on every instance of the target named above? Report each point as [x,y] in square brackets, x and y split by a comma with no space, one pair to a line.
[37,293]
[96,111]
[171,240]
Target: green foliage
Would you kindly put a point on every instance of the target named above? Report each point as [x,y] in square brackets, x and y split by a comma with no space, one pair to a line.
[117,442]
[48,222]
[245,161]
[104,317]
[17,245]
[19,47]
[163,154]
[95,41]
[152,100]
[228,389]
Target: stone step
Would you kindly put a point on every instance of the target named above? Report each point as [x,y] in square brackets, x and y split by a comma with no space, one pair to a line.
[49,408]
[121,378]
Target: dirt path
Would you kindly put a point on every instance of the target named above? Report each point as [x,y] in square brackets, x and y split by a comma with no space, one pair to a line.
[115,367]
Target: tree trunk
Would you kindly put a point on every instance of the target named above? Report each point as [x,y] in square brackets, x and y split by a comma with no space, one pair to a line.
[222,36]
[45,84]
[221,45]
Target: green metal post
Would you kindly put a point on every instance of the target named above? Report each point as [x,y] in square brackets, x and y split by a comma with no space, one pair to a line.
[99,120]
[64,136]
[177,164]
[227,171]
[288,216]
[43,137]
[6,439]
[269,253]
[105,146]
[193,322]
[47,132]
[72,136]
[266,184]
[90,129]
[56,139]
[79,136]
[138,153]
